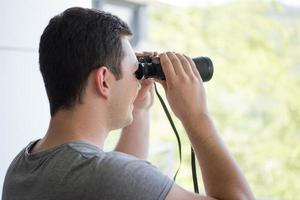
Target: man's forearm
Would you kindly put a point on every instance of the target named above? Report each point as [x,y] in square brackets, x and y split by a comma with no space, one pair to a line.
[221,175]
[134,138]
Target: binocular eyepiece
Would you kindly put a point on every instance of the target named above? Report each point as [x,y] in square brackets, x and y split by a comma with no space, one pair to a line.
[150,67]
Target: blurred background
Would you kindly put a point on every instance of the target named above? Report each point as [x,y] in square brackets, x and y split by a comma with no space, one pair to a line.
[253,97]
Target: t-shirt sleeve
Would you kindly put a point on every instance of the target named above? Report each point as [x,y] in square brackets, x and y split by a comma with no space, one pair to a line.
[124,177]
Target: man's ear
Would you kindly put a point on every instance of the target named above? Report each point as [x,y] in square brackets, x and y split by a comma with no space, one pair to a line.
[103,81]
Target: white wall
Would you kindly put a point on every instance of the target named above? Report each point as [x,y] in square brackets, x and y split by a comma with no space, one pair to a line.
[24,110]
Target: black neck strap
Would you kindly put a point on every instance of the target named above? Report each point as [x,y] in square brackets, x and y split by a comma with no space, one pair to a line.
[193,160]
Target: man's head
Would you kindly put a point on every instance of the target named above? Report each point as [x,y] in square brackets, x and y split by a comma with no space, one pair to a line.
[75,43]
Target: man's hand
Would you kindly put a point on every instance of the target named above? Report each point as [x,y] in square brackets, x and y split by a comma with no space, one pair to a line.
[183,86]
[145,97]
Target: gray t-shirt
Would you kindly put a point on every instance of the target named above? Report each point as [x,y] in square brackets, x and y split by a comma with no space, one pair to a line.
[77,171]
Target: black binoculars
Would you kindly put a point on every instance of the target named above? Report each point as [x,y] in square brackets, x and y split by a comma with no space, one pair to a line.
[150,67]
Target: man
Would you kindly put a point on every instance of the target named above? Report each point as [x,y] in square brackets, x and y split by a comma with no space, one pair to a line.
[88,67]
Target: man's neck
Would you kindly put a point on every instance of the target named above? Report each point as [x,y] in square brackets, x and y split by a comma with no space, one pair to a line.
[71,125]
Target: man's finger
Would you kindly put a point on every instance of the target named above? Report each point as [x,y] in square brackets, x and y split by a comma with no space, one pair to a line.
[176,64]
[146,53]
[167,67]
[146,86]
[185,64]
[194,68]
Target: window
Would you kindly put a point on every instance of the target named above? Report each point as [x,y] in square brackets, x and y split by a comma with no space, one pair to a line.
[132,12]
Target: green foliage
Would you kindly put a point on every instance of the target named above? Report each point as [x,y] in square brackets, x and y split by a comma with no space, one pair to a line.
[254,95]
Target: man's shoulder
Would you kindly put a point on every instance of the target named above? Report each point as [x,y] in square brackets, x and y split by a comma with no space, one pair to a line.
[98,159]
[88,151]
[116,174]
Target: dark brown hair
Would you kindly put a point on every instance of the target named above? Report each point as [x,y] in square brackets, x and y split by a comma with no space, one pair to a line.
[73,44]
